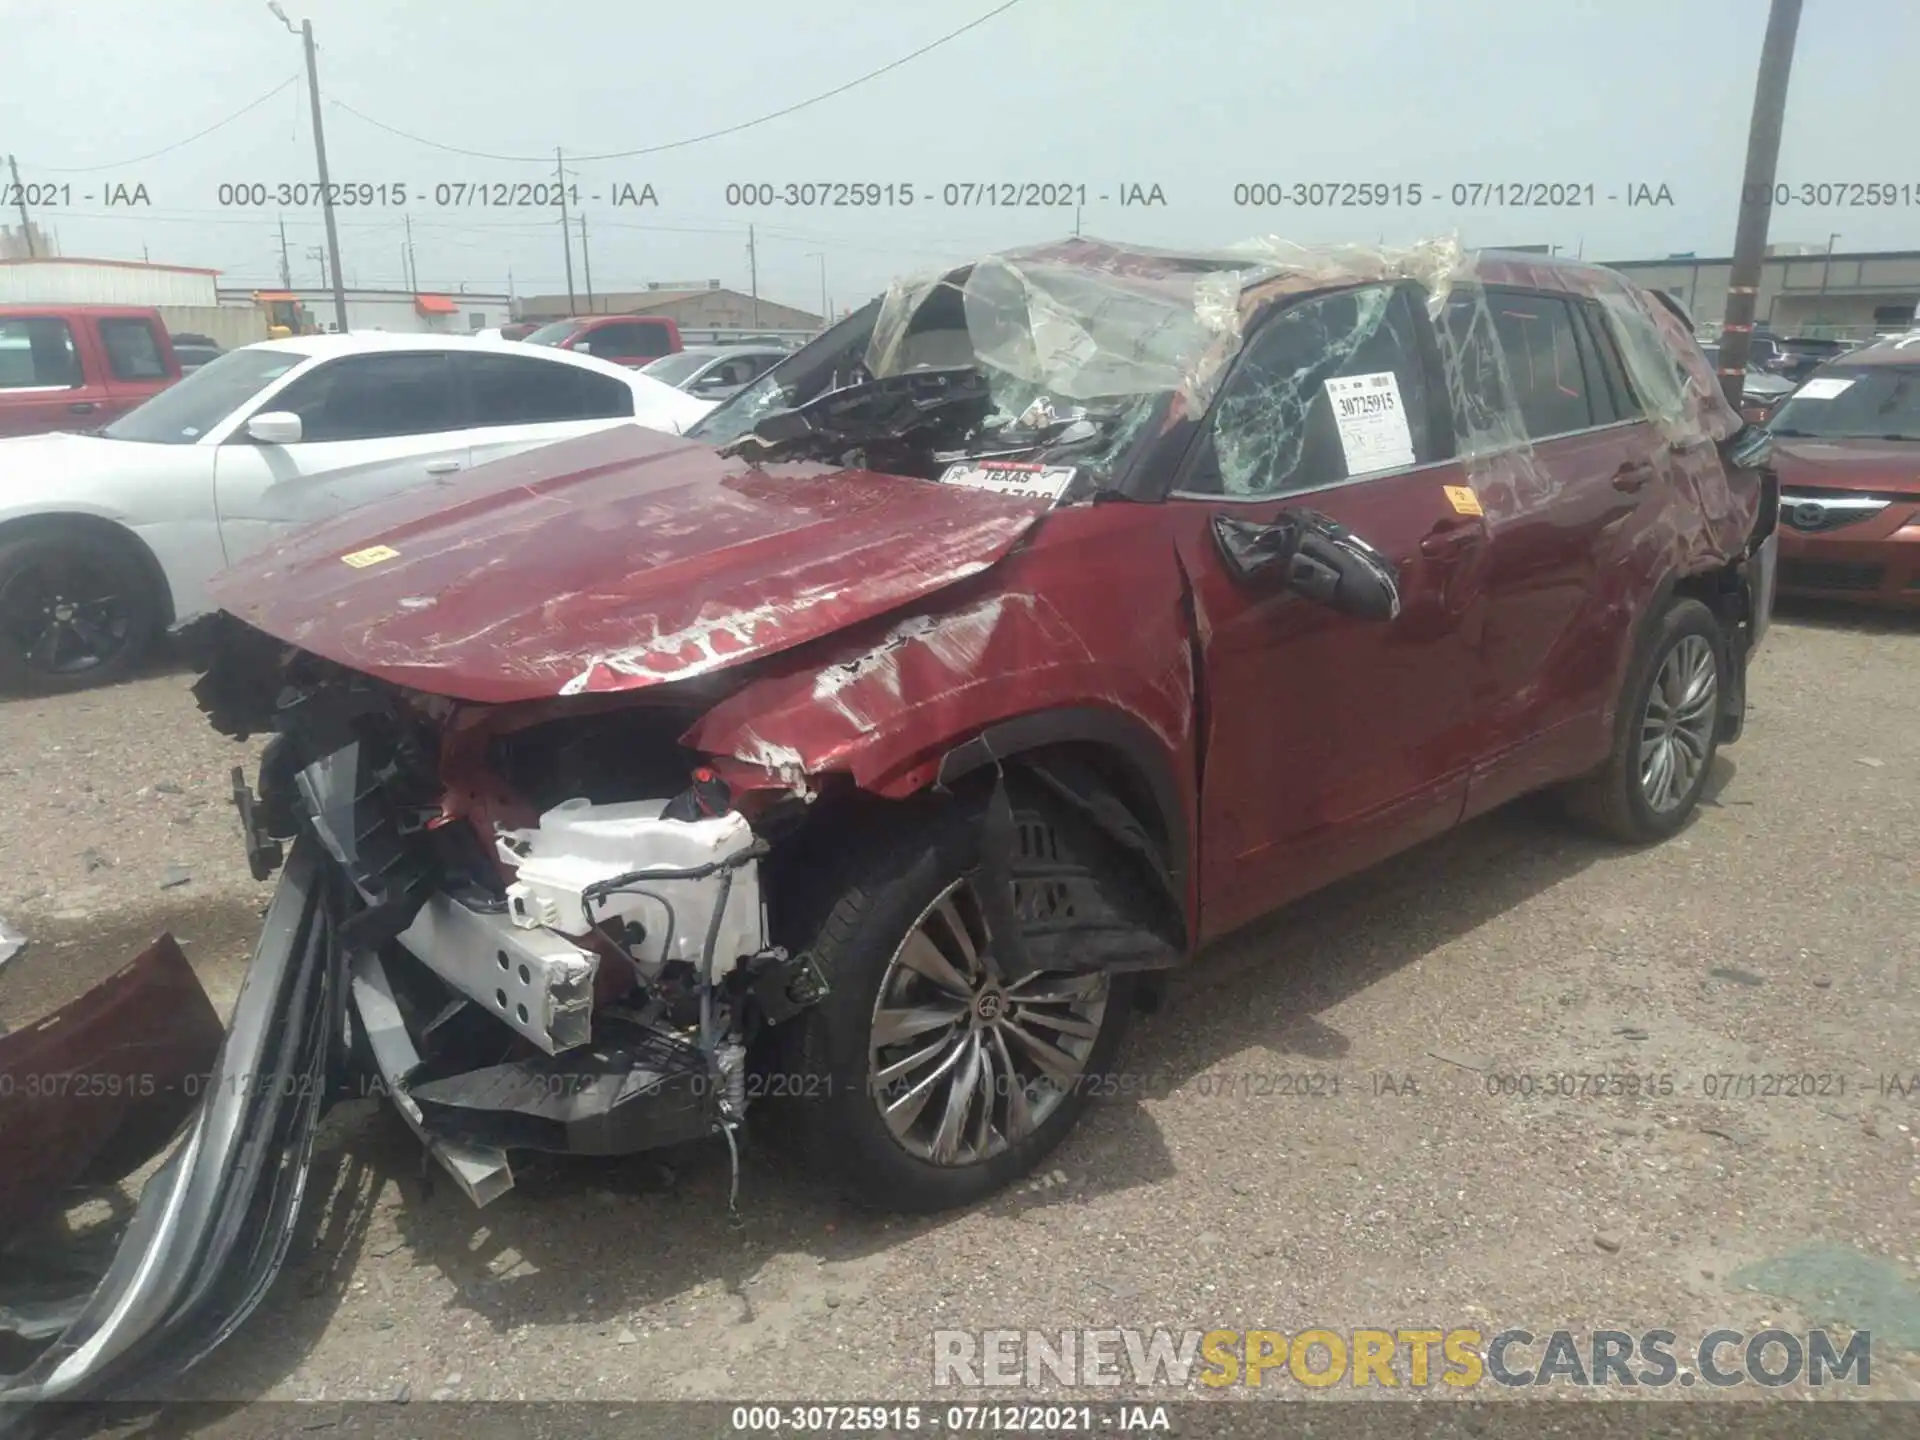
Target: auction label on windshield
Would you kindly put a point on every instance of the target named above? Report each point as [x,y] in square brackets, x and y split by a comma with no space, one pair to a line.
[1372,421]
[1011,477]
[1827,387]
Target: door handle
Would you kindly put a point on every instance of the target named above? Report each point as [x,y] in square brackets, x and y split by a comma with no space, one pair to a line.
[83,407]
[1450,537]
[1631,477]
[442,467]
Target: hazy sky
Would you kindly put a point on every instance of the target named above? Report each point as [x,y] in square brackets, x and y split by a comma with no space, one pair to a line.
[1194,96]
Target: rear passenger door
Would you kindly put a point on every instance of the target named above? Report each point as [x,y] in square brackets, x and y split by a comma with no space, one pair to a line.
[1562,511]
[521,401]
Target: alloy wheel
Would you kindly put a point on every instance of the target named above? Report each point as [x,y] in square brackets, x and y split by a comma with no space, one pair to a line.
[64,615]
[1676,729]
[962,1063]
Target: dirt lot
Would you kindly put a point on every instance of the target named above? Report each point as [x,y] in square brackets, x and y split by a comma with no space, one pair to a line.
[1777,935]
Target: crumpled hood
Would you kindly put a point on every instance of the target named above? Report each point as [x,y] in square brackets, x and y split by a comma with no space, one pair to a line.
[619,560]
[1888,466]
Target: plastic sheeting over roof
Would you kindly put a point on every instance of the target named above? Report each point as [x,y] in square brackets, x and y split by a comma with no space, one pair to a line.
[1086,320]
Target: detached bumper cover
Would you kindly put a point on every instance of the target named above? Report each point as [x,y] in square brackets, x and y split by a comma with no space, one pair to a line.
[97,1088]
[213,1223]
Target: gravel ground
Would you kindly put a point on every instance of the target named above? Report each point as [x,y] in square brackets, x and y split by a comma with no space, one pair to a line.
[1777,934]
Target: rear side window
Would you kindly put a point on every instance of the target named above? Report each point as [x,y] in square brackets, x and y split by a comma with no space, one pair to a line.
[511,390]
[371,397]
[1613,397]
[1542,351]
[133,351]
[1328,389]
[38,353]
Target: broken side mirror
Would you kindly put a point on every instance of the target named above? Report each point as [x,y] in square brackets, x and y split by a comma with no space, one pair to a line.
[1312,555]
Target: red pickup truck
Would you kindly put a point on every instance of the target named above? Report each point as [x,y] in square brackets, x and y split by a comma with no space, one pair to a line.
[76,367]
[630,340]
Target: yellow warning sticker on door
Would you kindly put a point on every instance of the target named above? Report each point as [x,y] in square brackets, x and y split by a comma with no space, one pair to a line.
[360,559]
[1464,501]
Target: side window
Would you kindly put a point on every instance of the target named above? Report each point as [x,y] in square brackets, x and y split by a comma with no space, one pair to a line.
[37,353]
[1477,389]
[1537,337]
[1603,352]
[370,397]
[740,370]
[133,353]
[511,390]
[1328,389]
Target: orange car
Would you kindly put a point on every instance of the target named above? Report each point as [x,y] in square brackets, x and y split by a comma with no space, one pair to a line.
[1847,450]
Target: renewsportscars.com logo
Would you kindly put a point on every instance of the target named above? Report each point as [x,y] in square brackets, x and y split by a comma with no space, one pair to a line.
[1456,1359]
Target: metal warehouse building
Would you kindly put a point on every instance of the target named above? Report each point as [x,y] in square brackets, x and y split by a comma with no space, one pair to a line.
[1804,290]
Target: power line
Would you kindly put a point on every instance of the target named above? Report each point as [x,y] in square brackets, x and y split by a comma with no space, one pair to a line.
[164,149]
[691,139]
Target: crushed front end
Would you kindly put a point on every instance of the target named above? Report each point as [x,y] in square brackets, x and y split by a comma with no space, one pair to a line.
[552,934]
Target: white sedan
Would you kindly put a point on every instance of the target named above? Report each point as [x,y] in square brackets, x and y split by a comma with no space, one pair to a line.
[106,538]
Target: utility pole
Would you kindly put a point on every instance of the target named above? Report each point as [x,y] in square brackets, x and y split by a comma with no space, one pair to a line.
[566,230]
[305,32]
[1756,195]
[413,265]
[316,252]
[20,197]
[586,263]
[286,266]
[1076,220]
[821,256]
[753,271]
[1825,271]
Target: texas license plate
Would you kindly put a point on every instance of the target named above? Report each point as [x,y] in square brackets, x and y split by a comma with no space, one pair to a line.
[1010,477]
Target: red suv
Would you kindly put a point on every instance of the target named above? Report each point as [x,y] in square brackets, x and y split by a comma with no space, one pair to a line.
[630,340]
[867,756]
[1847,448]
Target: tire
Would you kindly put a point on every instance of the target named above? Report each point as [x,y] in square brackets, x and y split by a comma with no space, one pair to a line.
[1623,799]
[911,880]
[111,615]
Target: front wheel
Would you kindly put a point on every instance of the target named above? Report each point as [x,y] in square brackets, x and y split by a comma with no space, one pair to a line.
[928,1078]
[1666,733]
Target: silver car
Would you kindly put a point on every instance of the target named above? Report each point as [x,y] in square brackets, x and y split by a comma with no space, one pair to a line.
[715,372]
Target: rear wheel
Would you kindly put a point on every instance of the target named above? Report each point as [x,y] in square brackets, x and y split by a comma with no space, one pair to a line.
[75,611]
[1666,733]
[927,1078]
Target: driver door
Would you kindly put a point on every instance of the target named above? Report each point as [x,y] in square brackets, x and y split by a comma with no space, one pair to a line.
[1331,741]
[371,425]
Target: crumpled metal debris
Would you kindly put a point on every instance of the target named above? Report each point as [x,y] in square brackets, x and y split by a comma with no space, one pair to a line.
[12,942]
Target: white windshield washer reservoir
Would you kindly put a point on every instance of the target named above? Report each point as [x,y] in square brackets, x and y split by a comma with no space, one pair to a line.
[578,844]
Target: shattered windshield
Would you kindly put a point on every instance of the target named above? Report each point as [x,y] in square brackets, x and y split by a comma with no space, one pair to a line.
[1078,348]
